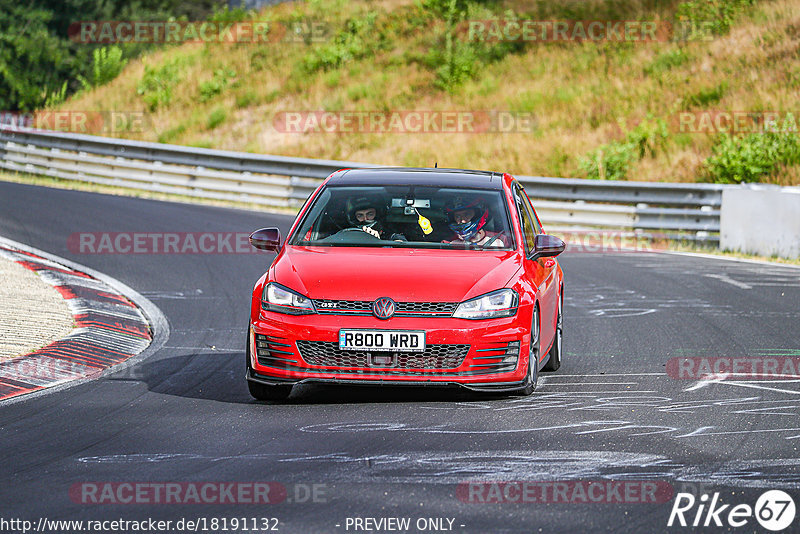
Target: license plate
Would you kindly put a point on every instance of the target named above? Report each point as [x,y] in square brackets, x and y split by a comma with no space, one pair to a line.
[382,340]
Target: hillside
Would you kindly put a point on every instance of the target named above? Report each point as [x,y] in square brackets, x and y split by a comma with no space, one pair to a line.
[609,109]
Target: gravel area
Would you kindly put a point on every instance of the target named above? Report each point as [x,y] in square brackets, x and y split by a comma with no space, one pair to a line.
[32,313]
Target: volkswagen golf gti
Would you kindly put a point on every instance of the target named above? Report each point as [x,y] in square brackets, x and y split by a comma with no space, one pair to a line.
[401,276]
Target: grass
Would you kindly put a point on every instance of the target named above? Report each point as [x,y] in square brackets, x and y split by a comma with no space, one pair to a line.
[383,54]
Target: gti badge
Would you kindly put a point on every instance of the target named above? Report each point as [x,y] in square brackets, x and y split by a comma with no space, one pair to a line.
[383,308]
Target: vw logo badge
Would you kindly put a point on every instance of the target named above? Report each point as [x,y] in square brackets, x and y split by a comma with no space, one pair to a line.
[383,308]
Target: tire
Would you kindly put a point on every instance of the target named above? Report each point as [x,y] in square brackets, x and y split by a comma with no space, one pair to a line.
[260,391]
[532,376]
[554,362]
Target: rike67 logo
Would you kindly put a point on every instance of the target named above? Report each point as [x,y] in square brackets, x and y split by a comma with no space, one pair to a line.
[774,510]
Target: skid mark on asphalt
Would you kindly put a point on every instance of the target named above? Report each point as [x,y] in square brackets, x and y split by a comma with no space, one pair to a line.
[501,465]
[747,384]
[631,414]
[635,411]
[728,280]
[742,275]
[611,302]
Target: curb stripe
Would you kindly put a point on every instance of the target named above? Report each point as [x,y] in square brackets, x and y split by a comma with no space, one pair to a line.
[108,330]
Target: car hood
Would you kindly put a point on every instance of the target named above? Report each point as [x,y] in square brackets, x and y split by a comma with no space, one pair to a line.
[405,275]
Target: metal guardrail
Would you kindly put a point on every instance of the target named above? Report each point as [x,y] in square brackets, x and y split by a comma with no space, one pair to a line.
[687,210]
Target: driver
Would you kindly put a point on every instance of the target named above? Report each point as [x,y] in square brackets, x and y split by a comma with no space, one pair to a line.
[365,213]
[467,218]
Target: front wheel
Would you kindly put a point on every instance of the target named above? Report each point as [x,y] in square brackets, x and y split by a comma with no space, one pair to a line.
[554,362]
[532,375]
[263,392]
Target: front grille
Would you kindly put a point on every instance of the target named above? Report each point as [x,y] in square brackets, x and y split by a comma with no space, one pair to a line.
[333,306]
[328,354]
[427,307]
[406,309]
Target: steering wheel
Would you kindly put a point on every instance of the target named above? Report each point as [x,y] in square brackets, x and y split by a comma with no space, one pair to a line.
[357,229]
[345,235]
[493,239]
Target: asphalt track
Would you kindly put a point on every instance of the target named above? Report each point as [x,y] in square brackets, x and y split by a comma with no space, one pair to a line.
[611,413]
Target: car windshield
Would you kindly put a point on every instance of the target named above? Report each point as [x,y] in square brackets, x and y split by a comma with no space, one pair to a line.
[407,216]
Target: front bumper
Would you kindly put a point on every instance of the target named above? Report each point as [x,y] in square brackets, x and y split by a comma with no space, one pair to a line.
[489,387]
[488,355]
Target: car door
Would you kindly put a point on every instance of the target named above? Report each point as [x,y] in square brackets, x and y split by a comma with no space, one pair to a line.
[540,272]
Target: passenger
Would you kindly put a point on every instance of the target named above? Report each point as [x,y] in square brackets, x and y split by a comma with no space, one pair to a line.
[468,218]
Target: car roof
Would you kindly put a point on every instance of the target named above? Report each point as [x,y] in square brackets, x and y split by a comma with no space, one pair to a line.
[418,176]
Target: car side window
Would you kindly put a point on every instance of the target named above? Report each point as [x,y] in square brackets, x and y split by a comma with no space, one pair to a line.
[528,226]
[527,203]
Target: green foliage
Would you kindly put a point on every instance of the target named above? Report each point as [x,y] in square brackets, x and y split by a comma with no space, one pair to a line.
[238,14]
[612,161]
[259,59]
[216,117]
[609,162]
[157,83]
[221,80]
[705,18]
[667,61]
[706,97]
[461,55]
[595,9]
[737,159]
[33,61]
[443,8]
[107,64]
[459,65]
[333,79]
[171,134]
[358,38]
[246,99]
[358,92]
[202,143]
[271,97]
[648,137]
[458,61]
[56,97]
[37,56]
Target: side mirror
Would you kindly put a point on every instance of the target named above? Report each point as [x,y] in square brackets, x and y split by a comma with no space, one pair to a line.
[546,245]
[266,239]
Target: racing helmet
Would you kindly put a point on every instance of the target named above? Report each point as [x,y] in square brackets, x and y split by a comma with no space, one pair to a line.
[466,230]
[363,202]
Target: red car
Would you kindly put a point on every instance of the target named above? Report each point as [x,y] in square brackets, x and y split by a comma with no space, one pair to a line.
[399,276]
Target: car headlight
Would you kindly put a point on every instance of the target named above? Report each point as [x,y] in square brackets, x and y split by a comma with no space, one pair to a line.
[282,299]
[500,303]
